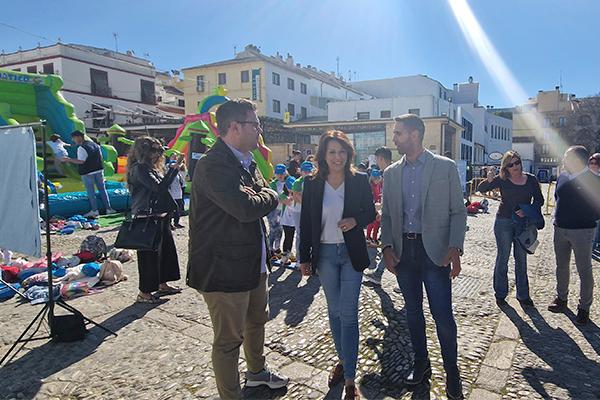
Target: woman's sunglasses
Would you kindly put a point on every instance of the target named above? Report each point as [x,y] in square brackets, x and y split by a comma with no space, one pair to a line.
[512,164]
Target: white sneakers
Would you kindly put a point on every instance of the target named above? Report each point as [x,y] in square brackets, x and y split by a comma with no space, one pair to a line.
[91,214]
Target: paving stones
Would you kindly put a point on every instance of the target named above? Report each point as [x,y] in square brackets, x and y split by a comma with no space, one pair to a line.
[164,352]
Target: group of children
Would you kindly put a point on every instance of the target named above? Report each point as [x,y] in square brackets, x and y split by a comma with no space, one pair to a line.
[285,219]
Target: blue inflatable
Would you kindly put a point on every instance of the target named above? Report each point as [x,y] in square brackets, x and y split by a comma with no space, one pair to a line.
[69,204]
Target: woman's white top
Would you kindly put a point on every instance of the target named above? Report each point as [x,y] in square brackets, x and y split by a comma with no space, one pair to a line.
[333,208]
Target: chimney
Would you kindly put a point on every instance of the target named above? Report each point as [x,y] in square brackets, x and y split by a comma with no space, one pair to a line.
[298,65]
[455,86]
[557,88]
[289,60]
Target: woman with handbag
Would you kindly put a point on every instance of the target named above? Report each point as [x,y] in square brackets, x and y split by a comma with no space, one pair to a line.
[337,205]
[516,187]
[148,184]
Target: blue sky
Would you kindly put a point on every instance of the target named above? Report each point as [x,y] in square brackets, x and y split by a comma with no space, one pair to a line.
[538,39]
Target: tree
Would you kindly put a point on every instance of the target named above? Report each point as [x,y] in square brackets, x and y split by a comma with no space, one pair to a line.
[582,125]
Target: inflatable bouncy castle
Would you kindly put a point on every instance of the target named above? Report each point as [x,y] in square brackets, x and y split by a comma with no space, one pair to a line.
[26,98]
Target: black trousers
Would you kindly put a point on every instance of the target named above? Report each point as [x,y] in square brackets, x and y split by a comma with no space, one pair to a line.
[179,212]
[156,267]
[288,238]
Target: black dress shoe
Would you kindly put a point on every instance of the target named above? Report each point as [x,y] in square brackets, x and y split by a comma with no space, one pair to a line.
[526,302]
[421,371]
[557,306]
[454,387]
[583,317]
[501,302]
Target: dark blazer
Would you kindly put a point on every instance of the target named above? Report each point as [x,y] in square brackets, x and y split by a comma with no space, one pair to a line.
[358,203]
[226,223]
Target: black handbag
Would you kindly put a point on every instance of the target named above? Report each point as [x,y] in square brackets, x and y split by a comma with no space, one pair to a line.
[140,233]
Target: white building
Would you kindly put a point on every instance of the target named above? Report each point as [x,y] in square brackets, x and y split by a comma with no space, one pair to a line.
[492,133]
[277,85]
[104,86]
[169,93]
[485,132]
[417,94]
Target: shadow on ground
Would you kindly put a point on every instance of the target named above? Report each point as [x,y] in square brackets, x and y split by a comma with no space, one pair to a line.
[566,362]
[25,374]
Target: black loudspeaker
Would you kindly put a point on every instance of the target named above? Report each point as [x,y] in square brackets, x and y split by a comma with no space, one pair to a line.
[68,328]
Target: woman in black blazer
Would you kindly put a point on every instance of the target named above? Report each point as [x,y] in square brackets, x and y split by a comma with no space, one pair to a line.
[337,205]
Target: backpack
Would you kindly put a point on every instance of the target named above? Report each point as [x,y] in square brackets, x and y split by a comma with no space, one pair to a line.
[95,245]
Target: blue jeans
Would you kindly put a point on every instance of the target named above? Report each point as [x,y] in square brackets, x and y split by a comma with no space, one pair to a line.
[341,284]
[275,229]
[89,181]
[504,230]
[414,270]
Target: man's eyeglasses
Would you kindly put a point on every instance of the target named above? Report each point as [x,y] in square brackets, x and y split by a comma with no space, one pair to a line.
[255,124]
[512,164]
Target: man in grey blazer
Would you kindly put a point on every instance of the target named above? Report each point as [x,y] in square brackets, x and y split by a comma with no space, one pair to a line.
[423,227]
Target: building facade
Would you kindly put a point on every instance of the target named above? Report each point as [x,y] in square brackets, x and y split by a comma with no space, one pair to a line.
[485,132]
[281,88]
[105,86]
[537,126]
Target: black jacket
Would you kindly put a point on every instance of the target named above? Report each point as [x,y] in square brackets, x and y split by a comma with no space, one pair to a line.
[145,185]
[358,203]
[227,230]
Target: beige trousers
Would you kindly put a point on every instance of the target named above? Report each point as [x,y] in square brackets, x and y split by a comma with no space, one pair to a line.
[237,318]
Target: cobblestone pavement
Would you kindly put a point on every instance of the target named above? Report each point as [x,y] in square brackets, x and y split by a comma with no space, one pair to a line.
[163,352]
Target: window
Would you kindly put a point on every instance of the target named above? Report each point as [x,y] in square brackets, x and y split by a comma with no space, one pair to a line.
[148,92]
[415,111]
[303,113]
[200,83]
[48,68]
[181,103]
[467,133]
[363,115]
[302,88]
[101,116]
[545,149]
[32,69]
[276,80]
[17,69]
[291,109]
[245,76]
[99,82]
[290,84]
[385,114]
[276,106]
[561,121]
[222,78]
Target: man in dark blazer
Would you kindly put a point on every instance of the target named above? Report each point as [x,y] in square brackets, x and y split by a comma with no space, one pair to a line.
[228,257]
[423,226]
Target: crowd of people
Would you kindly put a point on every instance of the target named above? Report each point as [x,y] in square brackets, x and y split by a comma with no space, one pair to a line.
[412,211]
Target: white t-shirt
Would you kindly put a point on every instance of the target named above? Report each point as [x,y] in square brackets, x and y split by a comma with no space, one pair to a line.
[287,216]
[333,209]
[58,148]
[82,155]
